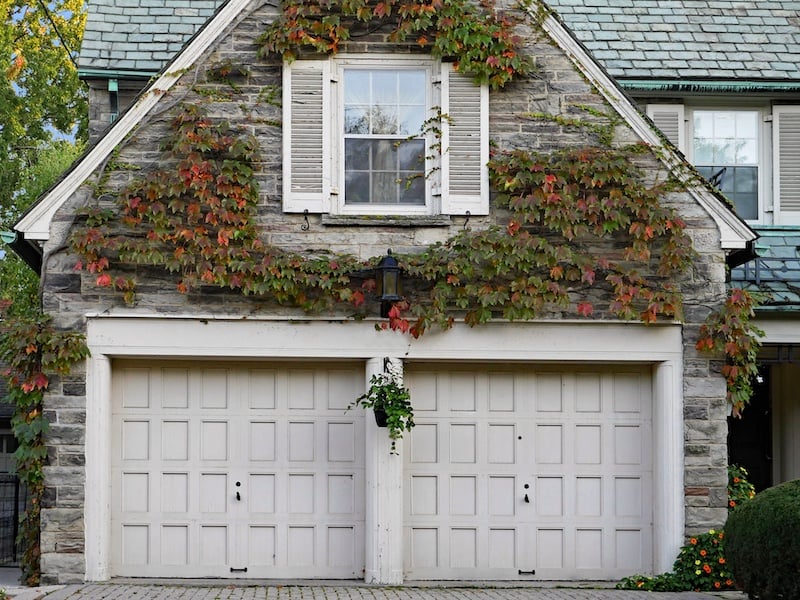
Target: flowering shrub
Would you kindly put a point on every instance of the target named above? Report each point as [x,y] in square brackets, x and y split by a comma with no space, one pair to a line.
[701,566]
[739,489]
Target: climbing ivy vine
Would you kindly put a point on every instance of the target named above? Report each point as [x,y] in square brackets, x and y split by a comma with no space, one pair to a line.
[480,39]
[33,351]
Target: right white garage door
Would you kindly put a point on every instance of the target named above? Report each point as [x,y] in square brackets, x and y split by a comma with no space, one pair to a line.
[529,473]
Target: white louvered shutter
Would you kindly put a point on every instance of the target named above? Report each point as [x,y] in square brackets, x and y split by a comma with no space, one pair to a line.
[669,118]
[786,164]
[307,136]
[465,144]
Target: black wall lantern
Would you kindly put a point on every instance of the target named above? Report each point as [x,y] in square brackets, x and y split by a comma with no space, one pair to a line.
[387,274]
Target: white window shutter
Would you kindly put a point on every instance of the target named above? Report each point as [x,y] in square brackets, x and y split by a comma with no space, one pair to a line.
[465,144]
[786,164]
[307,136]
[669,118]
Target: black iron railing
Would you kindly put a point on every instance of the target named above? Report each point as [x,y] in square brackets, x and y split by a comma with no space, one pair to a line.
[13,499]
[766,270]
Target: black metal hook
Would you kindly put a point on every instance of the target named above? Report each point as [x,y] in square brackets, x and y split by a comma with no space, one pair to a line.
[468,215]
[306,225]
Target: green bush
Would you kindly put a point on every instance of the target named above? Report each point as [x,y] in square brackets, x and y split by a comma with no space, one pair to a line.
[763,543]
[701,566]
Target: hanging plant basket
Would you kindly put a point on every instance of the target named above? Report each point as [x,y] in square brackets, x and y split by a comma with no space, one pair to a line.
[381,418]
[391,403]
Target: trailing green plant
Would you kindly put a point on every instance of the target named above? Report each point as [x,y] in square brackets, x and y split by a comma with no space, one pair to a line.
[701,566]
[729,331]
[763,544]
[33,351]
[740,490]
[476,35]
[389,397]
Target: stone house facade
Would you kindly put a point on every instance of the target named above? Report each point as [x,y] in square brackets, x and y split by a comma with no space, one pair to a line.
[207,435]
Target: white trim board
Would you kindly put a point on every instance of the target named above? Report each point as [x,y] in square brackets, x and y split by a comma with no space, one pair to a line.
[661,347]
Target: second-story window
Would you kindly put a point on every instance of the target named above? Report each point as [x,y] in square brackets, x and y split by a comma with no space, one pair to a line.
[725,148]
[384,145]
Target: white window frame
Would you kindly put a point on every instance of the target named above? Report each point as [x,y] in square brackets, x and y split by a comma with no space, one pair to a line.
[432,171]
[457,174]
[764,197]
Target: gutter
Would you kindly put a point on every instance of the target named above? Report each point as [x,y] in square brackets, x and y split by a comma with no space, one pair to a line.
[712,86]
[115,74]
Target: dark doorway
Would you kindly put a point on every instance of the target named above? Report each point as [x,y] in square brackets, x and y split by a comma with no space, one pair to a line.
[750,436]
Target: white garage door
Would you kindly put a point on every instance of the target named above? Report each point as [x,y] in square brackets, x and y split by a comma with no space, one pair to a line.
[246,470]
[528,474]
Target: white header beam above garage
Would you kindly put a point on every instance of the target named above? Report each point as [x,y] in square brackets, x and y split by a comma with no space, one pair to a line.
[239,338]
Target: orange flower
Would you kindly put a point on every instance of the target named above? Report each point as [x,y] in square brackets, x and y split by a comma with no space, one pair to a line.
[693,541]
[732,504]
[736,480]
[707,568]
[722,561]
[717,584]
[729,582]
[703,552]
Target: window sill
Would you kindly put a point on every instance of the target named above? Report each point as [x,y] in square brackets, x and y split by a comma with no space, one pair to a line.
[386,221]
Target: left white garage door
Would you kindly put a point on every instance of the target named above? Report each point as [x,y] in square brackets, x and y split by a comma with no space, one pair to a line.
[246,470]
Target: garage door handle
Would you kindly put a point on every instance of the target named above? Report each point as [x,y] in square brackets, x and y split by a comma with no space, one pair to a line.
[238,497]
[526,499]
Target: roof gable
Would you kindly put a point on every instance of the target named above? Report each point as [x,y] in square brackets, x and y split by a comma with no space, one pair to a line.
[35,224]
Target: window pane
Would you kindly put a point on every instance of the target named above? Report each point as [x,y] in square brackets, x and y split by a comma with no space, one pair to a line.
[724,151]
[703,151]
[747,124]
[411,118]
[413,189]
[412,155]
[356,154]
[412,87]
[384,155]
[357,187]
[356,87]
[703,124]
[384,86]
[747,152]
[384,120]
[356,119]
[745,180]
[384,188]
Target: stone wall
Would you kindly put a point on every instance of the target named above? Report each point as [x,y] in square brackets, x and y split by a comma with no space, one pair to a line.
[556,89]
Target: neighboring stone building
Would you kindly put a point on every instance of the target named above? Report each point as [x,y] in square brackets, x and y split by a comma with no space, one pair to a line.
[715,75]
[207,434]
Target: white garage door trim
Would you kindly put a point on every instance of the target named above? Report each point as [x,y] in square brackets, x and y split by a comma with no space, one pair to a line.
[561,342]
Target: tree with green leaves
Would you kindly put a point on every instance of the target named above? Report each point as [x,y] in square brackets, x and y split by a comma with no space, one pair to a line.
[41,97]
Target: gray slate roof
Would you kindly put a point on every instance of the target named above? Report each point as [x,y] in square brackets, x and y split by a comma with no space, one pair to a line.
[689,39]
[139,35]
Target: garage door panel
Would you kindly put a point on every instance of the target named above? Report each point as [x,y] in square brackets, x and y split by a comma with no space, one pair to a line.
[188,433]
[554,489]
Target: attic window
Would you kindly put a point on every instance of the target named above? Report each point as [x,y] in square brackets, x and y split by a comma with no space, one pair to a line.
[365,138]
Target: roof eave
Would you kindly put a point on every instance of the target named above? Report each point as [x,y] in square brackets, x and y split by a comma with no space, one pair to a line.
[34,225]
[735,234]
